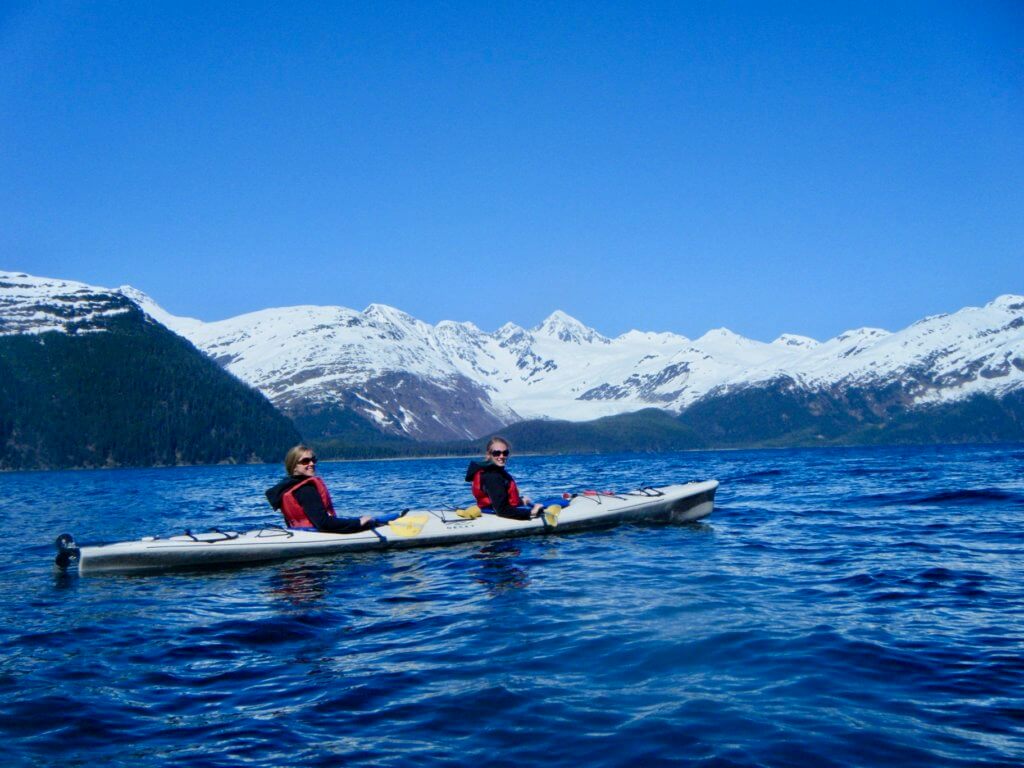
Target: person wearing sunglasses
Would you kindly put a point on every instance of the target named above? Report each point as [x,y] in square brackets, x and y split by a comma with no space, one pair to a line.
[303,499]
[494,489]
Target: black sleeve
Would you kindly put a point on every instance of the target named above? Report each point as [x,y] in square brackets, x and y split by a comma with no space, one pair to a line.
[494,486]
[314,508]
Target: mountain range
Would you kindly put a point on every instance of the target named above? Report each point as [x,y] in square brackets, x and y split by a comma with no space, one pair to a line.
[380,372]
[453,380]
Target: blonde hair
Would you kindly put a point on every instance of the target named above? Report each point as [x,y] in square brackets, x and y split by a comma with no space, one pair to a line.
[291,459]
[497,439]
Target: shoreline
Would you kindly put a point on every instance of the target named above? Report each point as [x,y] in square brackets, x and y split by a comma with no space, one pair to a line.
[464,456]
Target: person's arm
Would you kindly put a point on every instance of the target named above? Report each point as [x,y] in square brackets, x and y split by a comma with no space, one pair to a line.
[315,510]
[493,484]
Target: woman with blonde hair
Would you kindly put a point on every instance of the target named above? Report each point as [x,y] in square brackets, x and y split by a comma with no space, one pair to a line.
[303,499]
[494,489]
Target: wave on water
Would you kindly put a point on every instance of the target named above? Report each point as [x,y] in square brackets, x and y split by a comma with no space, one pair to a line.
[959,497]
[751,477]
[972,496]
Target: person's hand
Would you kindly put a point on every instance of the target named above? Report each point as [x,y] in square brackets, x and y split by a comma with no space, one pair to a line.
[535,512]
[366,519]
[527,501]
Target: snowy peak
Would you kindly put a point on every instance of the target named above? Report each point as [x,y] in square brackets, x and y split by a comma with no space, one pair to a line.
[397,324]
[508,329]
[453,328]
[723,336]
[652,338]
[793,341]
[855,342]
[724,344]
[1007,302]
[382,313]
[513,338]
[568,330]
[33,305]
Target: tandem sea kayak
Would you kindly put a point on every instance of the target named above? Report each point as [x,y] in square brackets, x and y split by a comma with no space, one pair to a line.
[416,528]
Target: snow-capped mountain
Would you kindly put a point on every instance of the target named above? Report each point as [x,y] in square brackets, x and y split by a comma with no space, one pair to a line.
[87,379]
[35,305]
[454,380]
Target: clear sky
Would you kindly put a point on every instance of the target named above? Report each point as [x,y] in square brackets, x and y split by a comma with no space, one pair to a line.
[770,167]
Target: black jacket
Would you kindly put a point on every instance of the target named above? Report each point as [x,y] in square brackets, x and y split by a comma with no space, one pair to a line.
[495,482]
[309,498]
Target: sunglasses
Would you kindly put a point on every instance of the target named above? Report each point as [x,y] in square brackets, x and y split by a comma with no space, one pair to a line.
[307,461]
[499,453]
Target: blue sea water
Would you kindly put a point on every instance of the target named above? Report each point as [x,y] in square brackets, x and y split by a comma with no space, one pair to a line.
[841,607]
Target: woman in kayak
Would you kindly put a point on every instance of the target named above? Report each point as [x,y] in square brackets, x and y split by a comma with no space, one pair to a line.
[304,501]
[494,488]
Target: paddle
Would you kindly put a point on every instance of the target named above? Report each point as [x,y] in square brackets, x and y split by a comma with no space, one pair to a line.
[551,513]
[408,526]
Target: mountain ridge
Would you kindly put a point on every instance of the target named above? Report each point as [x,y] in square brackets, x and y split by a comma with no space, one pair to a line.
[453,381]
[97,383]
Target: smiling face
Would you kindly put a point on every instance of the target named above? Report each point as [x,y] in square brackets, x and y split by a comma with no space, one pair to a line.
[498,452]
[306,465]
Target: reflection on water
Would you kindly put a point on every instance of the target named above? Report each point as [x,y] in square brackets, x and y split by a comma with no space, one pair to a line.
[497,568]
[300,585]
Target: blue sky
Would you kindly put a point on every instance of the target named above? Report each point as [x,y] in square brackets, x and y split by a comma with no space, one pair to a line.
[768,167]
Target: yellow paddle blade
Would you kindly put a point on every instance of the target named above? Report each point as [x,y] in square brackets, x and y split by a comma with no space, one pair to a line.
[551,514]
[408,526]
[469,512]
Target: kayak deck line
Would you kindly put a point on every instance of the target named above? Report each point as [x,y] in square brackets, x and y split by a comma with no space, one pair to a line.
[417,528]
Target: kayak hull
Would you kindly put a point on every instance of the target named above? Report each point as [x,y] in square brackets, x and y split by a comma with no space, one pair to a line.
[418,528]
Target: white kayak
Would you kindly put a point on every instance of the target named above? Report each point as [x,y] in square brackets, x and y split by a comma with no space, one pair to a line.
[416,528]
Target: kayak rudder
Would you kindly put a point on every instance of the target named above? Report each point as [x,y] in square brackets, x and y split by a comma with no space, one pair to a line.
[67,551]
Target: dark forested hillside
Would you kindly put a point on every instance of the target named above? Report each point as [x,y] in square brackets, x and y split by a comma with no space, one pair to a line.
[132,394]
[789,416]
[768,417]
[342,434]
[646,430]
[979,419]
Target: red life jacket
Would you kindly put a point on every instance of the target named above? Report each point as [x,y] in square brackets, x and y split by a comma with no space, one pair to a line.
[294,514]
[480,495]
